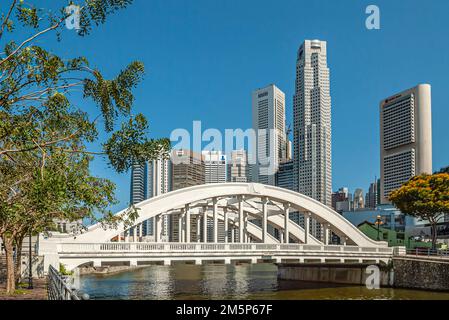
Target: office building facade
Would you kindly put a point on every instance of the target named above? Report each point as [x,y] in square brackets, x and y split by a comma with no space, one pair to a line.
[406,138]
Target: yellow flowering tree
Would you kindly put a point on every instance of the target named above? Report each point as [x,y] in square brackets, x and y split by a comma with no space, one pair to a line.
[426,197]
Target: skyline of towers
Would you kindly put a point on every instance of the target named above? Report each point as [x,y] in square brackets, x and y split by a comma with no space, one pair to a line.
[405,137]
[312,123]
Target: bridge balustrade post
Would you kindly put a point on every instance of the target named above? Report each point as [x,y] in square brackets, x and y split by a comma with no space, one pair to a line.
[326,234]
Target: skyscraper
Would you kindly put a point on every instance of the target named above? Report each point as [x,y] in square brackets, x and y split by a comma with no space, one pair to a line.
[214,166]
[138,192]
[238,169]
[312,123]
[268,107]
[372,196]
[405,138]
[285,177]
[159,182]
[188,171]
[159,177]
[359,200]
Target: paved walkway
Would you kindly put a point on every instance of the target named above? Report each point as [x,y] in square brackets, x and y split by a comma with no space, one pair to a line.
[38,293]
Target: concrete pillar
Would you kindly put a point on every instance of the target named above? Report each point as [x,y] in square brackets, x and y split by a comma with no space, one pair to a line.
[180,227]
[119,237]
[306,227]
[157,228]
[286,222]
[135,234]
[204,225]
[241,219]
[326,234]
[264,219]
[215,214]
[225,216]
[187,227]
[140,232]
[227,261]
[198,262]
[167,262]
[232,235]
[127,235]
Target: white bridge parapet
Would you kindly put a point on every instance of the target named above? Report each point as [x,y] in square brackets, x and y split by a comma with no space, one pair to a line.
[97,254]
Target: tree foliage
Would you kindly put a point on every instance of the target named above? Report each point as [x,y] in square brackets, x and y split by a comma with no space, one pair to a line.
[44,136]
[426,197]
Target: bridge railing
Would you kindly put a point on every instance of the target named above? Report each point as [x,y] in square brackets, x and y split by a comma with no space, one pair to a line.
[60,289]
[112,247]
[428,252]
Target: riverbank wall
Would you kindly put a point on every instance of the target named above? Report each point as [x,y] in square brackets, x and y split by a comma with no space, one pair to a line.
[424,273]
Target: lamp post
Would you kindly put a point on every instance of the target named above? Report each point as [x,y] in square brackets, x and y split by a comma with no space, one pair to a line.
[30,264]
[378,223]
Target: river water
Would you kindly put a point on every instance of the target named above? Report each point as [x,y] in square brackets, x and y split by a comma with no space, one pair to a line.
[247,281]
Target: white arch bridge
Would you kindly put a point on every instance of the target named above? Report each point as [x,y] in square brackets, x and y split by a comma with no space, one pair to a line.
[221,222]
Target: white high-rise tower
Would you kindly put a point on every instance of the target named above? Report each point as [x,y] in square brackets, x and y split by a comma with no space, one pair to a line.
[405,138]
[269,124]
[312,123]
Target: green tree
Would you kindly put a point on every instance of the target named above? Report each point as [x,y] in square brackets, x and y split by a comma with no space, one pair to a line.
[426,197]
[444,170]
[44,159]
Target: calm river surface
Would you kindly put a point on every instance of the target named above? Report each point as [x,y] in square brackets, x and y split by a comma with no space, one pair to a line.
[247,281]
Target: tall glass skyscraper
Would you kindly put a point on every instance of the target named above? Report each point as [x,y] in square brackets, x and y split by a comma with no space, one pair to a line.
[312,123]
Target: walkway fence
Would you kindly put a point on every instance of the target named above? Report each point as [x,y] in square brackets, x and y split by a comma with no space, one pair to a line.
[59,287]
[428,252]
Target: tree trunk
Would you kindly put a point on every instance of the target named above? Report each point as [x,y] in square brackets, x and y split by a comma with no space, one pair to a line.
[18,264]
[10,278]
[434,234]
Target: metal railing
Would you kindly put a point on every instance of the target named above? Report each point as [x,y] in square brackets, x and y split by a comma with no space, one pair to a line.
[59,287]
[428,252]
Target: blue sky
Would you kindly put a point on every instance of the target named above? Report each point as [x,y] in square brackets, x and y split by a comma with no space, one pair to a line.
[205,57]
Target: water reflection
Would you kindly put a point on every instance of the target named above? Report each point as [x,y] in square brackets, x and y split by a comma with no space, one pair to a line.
[245,281]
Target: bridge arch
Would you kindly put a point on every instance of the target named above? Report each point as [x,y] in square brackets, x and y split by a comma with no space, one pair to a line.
[235,204]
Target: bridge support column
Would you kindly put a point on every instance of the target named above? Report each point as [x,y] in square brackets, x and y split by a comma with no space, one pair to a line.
[232,234]
[204,225]
[264,219]
[187,227]
[133,262]
[286,223]
[227,261]
[253,260]
[241,198]
[215,214]
[167,262]
[326,234]
[306,227]
[157,228]
[198,262]
[180,228]
[127,235]
[140,232]
[225,218]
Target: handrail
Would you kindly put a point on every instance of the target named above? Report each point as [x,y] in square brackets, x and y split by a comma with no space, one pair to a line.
[59,289]
[428,252]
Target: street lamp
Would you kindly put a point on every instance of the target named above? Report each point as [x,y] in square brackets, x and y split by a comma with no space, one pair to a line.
[379,222]
[30,264]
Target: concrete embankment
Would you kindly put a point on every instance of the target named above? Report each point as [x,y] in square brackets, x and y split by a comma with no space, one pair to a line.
[354,274]
[426,273]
